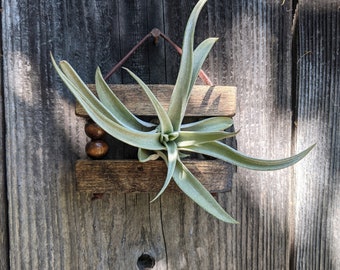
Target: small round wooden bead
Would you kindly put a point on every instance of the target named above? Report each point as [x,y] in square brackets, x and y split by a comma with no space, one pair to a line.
[96,148]
[94,131]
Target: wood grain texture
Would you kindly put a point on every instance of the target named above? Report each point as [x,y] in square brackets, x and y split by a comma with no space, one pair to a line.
[257,40]
[4,244]
[51,226]
[205,101]
[317,231]
[132,176]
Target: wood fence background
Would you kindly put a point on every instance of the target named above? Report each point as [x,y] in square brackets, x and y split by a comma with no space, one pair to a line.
[284,58]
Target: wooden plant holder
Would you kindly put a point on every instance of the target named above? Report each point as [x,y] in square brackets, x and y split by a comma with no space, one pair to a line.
[132,176]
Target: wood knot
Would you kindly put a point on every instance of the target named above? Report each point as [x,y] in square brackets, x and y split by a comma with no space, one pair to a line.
[145,262]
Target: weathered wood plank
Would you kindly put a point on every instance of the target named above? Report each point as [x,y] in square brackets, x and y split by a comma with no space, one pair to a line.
[4,245]
[46,215]
[261,56]
[148,60]
[317,231]
[205,100]
[132,176]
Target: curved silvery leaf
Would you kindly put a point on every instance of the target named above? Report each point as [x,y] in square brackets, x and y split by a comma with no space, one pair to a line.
[230,155]
[116,107]
[179,96]
[98,112]
[145,155]
[166,126]
[209,124]
[82,89]
[170,159]
[188,183]
[188,138]
[200,54]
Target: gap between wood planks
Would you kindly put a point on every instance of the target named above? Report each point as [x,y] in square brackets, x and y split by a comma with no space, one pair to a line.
[4,225]
[294,94]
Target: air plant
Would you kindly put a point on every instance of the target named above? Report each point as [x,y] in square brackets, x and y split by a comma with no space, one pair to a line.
[170,140]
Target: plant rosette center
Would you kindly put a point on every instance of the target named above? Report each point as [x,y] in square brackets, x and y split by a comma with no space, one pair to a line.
[169,137]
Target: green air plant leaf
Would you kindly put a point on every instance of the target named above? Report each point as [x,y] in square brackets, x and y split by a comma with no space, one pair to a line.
[145,155]
[230,155]
[188,138]
[120,113]
[170,160]
[171,140]
[200,54]
[101,115]
[209,124]
[166,126]
[198,193]
[182,89]
[116,107]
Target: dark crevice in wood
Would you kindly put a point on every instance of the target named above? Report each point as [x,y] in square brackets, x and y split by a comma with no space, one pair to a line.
[4,225]
[294,70]
[163,231]
[294,90]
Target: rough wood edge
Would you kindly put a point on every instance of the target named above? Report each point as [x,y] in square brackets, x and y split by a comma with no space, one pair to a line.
[132,176]
[205,100]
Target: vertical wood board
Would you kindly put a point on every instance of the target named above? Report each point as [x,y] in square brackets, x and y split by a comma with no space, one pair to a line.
[260,52]
[4,245]
[317,229]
